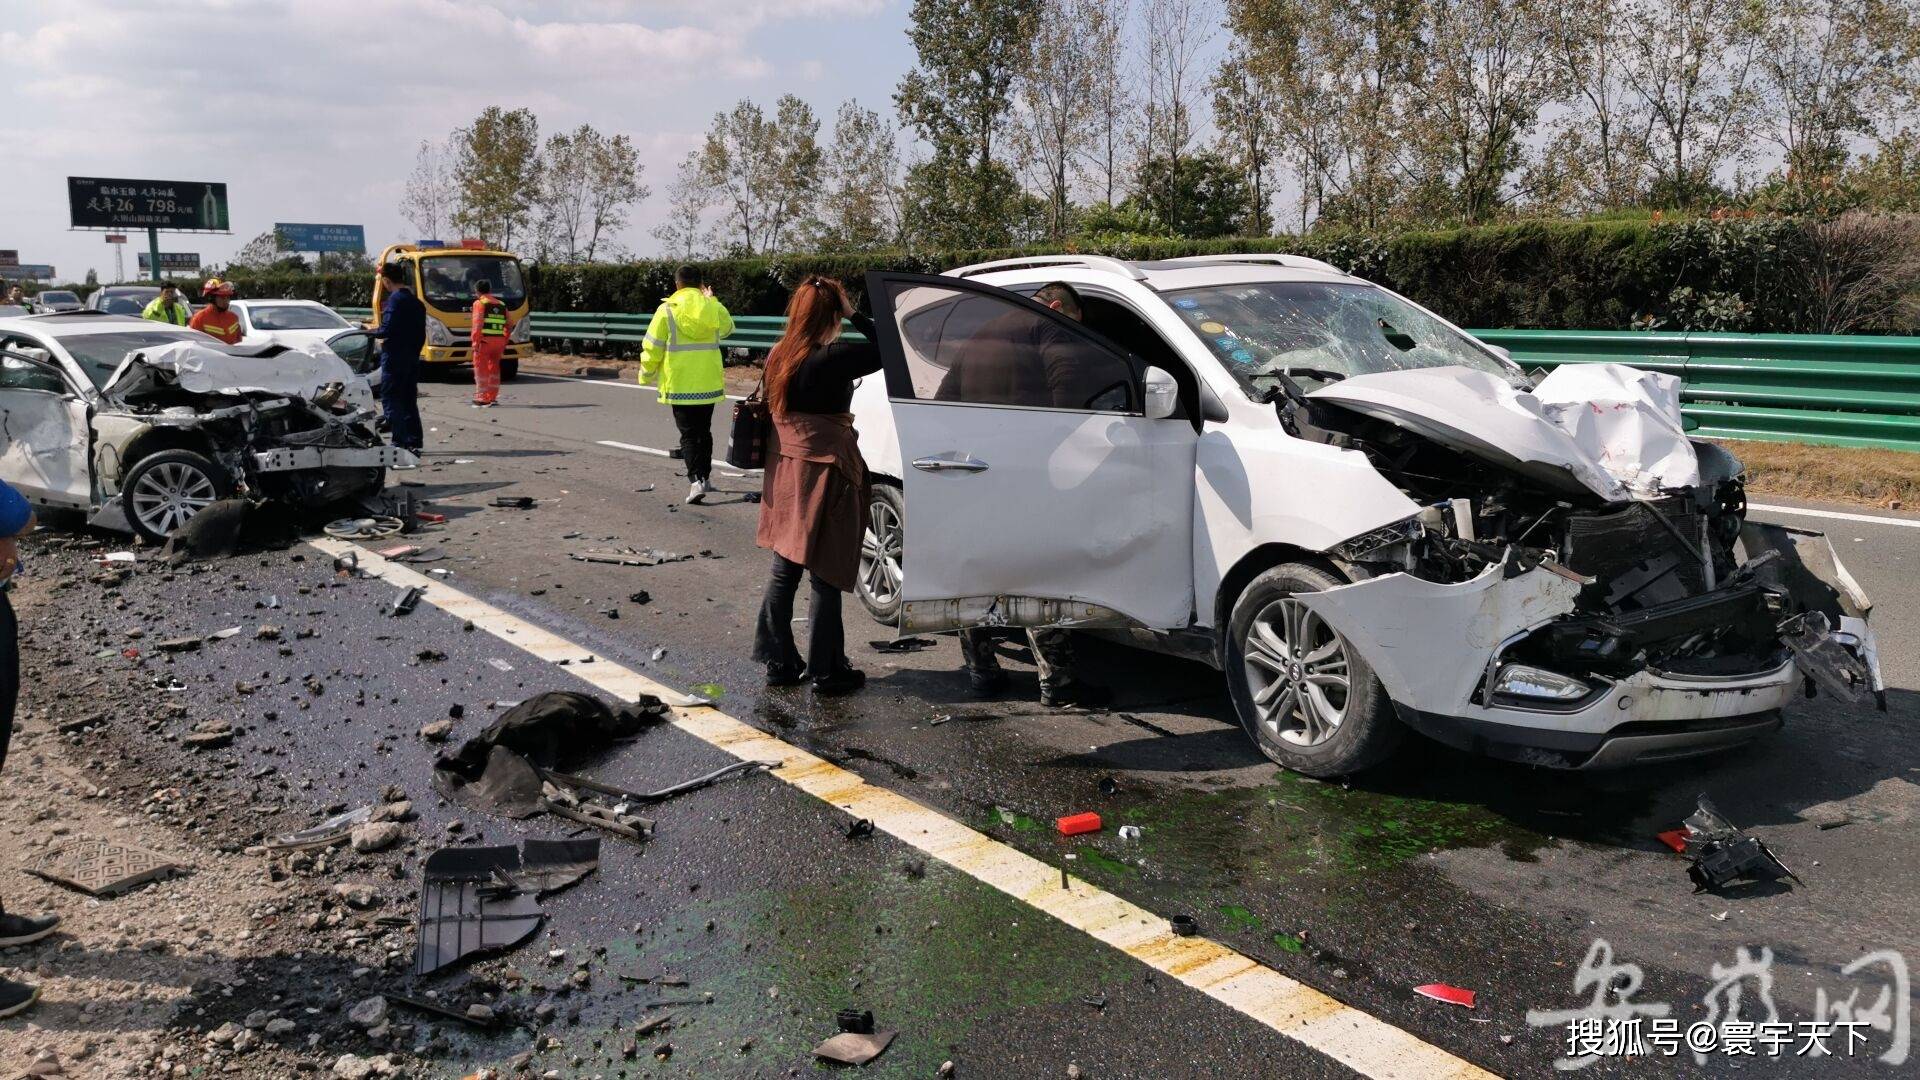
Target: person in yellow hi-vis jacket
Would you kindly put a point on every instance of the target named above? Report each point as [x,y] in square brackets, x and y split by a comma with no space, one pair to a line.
[682,352]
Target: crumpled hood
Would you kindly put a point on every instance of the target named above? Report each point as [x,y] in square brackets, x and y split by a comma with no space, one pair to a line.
[1608,429]
[296,372]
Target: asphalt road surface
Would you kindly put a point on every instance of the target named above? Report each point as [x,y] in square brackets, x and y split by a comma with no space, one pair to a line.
[1440,868]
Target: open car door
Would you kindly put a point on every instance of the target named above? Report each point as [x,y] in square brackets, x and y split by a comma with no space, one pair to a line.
[1049,479]
[45,423]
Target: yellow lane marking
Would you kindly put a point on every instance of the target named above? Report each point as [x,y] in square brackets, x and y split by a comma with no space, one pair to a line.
[1356,1039]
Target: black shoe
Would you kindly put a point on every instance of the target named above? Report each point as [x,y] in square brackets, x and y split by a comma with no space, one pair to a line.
[25,929]
[16,998]
[1085,695]
[988,684]
[786,674]
[844,681]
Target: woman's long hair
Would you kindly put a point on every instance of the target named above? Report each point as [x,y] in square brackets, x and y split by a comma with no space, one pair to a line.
[813,314]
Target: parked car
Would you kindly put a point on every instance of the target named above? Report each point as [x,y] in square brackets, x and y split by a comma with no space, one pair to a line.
[286,322]
[142,425]
[47,300]
[1368,520]
[121,299]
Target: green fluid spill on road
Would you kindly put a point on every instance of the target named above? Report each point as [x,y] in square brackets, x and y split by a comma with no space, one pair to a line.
[1012,819]
[1094,858]
[713,691]
[1240,916]
[951,954]
[1289,943]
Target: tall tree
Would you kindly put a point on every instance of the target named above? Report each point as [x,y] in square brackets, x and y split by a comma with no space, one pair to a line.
[1051,118]
[1596,158]
[1199,195]
[1690,65]
[1490,71]
[1174,34]
[496,174]
[1109,101]
[1246,108]
[689,197]
[1832,71]
[764,171]
[860,206]
[427,202]
[956,98]
[587,182]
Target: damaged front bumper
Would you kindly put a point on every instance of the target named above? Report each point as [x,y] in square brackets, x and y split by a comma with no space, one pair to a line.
[292,458]
[1445,654]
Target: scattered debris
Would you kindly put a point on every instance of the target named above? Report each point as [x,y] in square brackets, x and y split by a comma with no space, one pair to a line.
[103,868]
[209,735]
[1675,839]
[860,828]
[499,769]
[1722,853]
[629,556]
[1183,926]
[1452,995]
[332,831]
[1075,824]
[408,599]
[512,502]
[222,635]
[347,563]
[851,1048]
[1130,832]
[366,528]
[126,558]
[430,518]
[465,911]
[374,836]
[902,645]
[641,597]
[437,730]
[857,1021]
[179,645]
[1109,786]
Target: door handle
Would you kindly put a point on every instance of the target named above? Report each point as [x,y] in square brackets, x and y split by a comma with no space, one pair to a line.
[952,461]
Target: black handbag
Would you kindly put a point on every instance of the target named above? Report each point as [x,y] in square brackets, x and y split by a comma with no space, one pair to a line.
[752,428]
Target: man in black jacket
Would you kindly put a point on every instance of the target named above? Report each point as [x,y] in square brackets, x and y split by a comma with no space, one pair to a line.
[402,333]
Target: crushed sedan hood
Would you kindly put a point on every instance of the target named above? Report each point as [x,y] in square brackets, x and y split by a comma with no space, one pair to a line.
[202,369]
[1605,429]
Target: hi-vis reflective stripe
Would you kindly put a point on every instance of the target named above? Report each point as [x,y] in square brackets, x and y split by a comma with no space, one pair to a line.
[694,398]
[1362,1042]
[672,344]
[494,322]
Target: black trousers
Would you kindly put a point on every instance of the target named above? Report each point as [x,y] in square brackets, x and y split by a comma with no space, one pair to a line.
[9,672]
[773,635]
[400,397]
[696,438]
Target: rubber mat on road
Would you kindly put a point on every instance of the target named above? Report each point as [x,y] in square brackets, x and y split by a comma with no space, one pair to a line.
[103,867]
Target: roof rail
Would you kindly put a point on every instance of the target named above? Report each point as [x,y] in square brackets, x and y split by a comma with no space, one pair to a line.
[1298,262]
[1091,262]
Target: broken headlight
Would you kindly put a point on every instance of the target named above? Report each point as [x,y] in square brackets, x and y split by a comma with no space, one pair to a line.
[1367,543]
[1538,686]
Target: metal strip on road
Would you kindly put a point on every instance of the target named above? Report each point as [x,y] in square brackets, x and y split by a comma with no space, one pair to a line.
[633,447]
[1766,508]
[1350,1036]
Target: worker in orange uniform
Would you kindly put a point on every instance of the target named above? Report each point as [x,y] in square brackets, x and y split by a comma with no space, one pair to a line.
[489,340]
[215,320]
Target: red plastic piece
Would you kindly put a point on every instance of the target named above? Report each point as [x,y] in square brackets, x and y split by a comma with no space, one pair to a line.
[1452,995]
[1675,839]
[1076,824]
[430,517]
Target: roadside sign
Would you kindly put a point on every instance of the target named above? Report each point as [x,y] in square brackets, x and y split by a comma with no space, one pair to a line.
[172,205]
[27,272]
[295,236]
[9,257]
[116,238]
[173,260]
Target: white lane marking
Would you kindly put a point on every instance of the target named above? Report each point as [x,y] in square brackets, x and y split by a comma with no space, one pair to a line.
[621,383]
[1905,523]
[634,448]
[1356,1039]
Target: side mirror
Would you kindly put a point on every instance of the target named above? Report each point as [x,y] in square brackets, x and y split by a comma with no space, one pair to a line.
[1163,394]
[1211,407]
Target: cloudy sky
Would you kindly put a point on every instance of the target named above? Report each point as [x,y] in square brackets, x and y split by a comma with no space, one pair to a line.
[311,110]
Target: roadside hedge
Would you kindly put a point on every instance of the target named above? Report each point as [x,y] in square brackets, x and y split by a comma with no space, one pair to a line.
[1741,274]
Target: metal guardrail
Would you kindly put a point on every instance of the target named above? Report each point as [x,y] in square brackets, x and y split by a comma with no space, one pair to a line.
[1829,389]
[756,332]
[1832,389]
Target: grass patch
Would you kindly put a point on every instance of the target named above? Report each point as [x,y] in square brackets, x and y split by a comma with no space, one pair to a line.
[1888,479]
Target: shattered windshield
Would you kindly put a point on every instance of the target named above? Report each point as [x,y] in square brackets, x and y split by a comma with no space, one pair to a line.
[1320,332]
[447,281]
[99,355]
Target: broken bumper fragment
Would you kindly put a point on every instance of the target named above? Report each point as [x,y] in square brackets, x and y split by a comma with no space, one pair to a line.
[1508,664]
[292,458]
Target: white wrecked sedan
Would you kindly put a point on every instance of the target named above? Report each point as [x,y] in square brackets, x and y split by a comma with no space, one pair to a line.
[143,425]
[1367,519]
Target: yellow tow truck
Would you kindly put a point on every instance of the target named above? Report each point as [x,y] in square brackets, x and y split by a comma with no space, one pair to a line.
[444,279]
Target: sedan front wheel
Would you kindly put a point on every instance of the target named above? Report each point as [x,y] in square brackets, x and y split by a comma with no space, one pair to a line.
[164,491]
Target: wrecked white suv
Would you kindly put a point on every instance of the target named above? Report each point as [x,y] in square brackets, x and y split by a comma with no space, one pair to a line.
[142,425]
[1367,519]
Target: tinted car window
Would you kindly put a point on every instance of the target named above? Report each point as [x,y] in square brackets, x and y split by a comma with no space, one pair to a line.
[963,346]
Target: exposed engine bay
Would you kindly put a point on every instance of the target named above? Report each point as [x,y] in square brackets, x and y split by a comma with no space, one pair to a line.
[286,423]
[1592,483]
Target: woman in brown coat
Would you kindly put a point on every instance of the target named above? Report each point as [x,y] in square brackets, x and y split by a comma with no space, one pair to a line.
[813,507]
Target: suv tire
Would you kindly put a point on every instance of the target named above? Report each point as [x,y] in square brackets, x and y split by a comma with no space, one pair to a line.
[1302,691]
[879,585]
[164,491]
